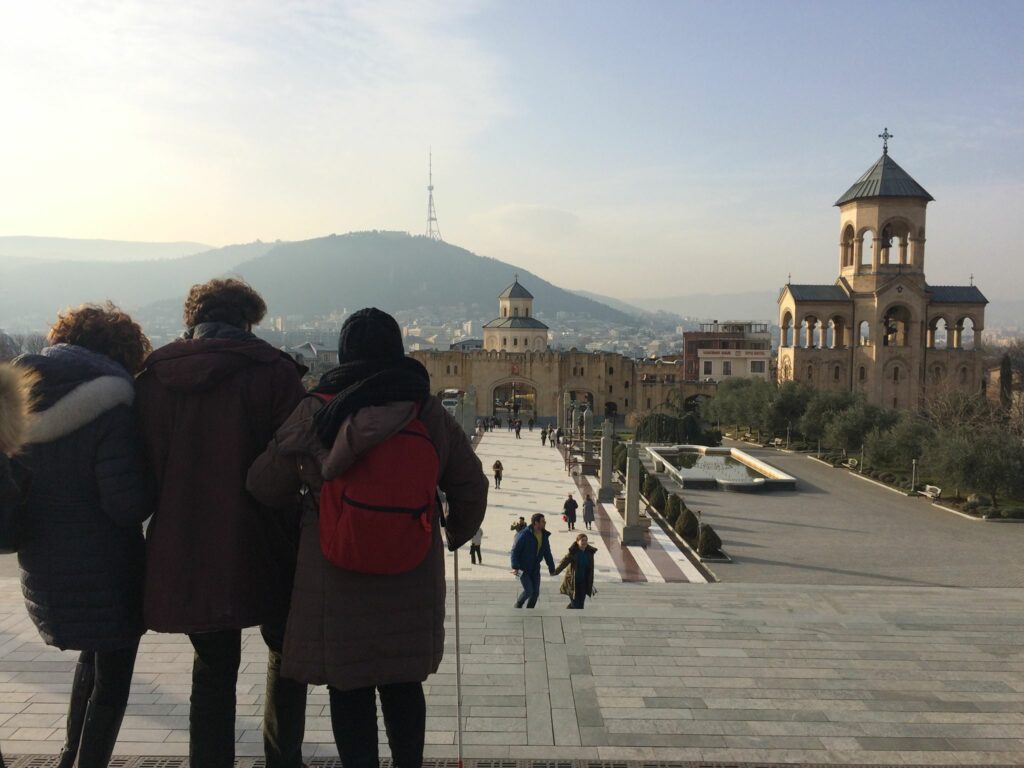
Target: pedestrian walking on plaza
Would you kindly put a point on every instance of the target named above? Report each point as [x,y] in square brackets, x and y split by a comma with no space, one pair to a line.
[519,429]
[218,561]
[519,525]
[474,547]
[544,436]
[569,512]
[371,618]
[81,548]
[498,471]
[530,423]
[531,547]
[588,512]
[578,564]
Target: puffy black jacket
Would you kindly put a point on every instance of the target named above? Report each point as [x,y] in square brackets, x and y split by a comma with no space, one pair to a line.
[81,549]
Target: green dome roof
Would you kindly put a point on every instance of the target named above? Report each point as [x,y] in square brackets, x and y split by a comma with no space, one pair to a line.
[884,179]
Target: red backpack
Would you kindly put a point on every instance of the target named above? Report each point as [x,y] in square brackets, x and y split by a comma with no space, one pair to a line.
[378,516]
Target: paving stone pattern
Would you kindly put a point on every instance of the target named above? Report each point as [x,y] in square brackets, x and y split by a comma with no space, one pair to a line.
[720,672]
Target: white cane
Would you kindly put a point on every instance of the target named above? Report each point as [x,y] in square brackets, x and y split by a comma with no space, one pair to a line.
[458,664]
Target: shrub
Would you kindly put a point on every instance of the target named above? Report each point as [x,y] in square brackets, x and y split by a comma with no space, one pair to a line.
[620,462]
[1014,513]
[887,477]
[649,484]
[672,509]
[658,499]
[710,543]
[688,527]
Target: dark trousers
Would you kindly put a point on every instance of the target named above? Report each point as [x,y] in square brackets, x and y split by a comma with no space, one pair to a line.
[580,595]
[354,722]
[531,588]
[497,479]
[111,674]
[212,714]
[475,555]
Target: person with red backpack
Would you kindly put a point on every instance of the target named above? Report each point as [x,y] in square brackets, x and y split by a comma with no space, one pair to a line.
[366,453]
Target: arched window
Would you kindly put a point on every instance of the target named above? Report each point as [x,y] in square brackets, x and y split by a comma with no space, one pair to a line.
[963,375]
[611,370]
[609,389]
[867,243]
[515,341]
[895,374]
[861,374]
[526,311]
[625,385]
[627,402]
[835,373]
[455,370]
[847,246]
[448,369]
[581,371]
[865,333]
[515,311]
[504,341]
[968,338]
[504,311]
[810,372]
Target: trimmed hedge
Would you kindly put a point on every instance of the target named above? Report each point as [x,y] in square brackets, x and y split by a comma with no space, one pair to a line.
[688,527]
[673,509]
[658,499]
[709,543]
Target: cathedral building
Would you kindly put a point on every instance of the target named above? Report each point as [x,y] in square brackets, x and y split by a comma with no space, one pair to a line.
[518,373]
[880,329]
[516,329]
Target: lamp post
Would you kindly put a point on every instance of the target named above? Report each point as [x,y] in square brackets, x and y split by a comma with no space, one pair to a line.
[789,425]
[913,476]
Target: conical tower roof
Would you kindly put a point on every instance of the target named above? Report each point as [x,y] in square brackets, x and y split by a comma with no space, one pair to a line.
[515,291]
[884,179]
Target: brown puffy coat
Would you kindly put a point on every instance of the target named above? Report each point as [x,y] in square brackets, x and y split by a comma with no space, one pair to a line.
[353,630]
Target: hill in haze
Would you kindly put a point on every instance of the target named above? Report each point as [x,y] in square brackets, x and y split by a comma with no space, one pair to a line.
[68,249]
[392,270]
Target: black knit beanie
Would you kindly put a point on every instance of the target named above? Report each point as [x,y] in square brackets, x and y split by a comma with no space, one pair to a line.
[370,334]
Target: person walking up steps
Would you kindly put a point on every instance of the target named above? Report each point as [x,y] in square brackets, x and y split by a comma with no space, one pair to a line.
[474,548]
[531,547]
[569,511]
[498,470]
[578,564]
[588,512]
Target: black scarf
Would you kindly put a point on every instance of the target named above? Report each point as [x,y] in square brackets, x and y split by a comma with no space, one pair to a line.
[360,383]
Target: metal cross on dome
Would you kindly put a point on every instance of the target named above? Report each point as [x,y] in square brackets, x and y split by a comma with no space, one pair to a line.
[885,136]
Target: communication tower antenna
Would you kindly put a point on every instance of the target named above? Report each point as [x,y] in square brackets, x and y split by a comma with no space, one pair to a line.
[433,231]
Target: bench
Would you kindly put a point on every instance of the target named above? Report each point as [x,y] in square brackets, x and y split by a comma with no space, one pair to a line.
[932,491]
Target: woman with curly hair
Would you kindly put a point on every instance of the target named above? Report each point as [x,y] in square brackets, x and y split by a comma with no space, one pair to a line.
[80,546]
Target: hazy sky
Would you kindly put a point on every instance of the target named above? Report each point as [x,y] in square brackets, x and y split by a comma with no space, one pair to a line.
[627,148]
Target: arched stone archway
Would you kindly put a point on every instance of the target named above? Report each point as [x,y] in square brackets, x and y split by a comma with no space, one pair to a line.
[514,397]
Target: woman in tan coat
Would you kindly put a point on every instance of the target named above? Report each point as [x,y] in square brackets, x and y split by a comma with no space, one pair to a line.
[357,632]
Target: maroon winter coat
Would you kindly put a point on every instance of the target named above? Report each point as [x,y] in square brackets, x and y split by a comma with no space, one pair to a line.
[216,558]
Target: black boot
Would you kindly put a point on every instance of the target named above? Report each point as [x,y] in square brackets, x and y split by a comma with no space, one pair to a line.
[102,724]
[81,690]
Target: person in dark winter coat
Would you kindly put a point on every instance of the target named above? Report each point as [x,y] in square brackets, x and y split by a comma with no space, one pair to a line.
[569,511]
[519,524]
[355,632]
[530,548]
[80,546]
[544,436]
[498,470]
[578,564]
[218,560]
[588,512]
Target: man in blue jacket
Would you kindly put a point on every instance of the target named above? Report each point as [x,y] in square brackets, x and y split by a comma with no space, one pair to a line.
[530,548]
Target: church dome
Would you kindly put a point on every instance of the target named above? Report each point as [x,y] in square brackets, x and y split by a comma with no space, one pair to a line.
[884,179]
[515,291]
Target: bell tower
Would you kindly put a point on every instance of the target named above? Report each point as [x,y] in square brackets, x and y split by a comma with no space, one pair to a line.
[882,224]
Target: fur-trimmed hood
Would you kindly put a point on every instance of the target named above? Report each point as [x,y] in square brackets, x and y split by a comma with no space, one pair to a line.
[15,404]
[75,387]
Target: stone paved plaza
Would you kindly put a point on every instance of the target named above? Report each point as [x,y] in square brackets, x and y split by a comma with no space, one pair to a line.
[816,671]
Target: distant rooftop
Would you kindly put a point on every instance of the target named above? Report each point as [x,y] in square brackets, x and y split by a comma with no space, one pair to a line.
[734,326]
[517,322]
[884,179]
[817,292]
[515,291]
[956,294]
